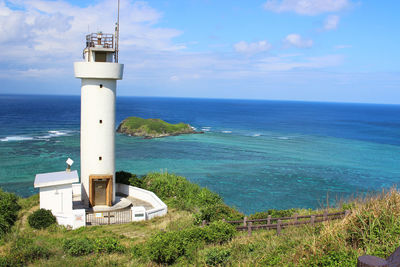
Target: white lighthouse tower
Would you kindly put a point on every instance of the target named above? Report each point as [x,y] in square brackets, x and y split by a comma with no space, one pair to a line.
[99,73]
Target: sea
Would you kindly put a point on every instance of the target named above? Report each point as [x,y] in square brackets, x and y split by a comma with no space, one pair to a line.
[256,154]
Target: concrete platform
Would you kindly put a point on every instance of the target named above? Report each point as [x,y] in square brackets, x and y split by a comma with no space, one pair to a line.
[138,202]
[120,203]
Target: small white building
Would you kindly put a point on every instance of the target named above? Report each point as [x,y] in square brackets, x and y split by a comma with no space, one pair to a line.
[55,192]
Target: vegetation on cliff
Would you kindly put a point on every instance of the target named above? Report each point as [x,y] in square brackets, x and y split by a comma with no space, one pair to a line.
[177,239]
[152,128]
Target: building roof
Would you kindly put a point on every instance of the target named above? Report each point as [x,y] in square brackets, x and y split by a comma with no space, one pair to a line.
[56,178]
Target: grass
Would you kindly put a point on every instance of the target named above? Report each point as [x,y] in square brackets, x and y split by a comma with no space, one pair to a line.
[372,228]
[152,127]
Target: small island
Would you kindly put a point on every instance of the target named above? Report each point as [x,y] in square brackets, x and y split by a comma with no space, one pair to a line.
[153,128]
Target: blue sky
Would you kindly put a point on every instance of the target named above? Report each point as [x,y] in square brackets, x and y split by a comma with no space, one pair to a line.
[316,50]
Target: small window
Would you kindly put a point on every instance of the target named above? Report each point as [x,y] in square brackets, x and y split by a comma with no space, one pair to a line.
[100,158]
[100,121]
[101,86]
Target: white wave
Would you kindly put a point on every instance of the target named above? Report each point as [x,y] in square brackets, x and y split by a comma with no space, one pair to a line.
[46,137]
[16,138]
[193,128]
[205,129]
[256,134]
[283,138]
[227,131]
[54,134]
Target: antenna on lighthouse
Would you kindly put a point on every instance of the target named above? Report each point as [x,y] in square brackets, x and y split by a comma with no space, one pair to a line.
[117,36]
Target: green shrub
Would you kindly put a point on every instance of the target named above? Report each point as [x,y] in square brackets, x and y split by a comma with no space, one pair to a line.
[216,212]
[167,247]
[219,232]
[179,193]
[107,245]
[375,225]
[24,250]
[8,211]
[217,256]
[41,219]
[79,246]
[128,178]
[332,258]
[7,262]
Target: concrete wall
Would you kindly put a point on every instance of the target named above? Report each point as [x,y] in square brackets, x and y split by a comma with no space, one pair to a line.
[72,220]
[159,207]
[57,198]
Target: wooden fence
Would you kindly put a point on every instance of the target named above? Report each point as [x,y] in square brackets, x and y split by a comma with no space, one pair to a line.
[108,217]
[280,223]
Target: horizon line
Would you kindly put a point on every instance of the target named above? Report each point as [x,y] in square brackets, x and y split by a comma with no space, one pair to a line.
[220,98]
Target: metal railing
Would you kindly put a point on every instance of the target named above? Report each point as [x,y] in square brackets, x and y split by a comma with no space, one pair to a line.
[105,40]
[108,217]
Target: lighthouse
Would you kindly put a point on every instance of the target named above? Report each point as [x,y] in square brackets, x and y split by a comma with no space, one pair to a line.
[99,72]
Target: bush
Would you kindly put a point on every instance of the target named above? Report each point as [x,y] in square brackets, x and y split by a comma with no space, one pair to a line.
[8,211]
[128,178]
[179,193]
[374,226]
[23,251]
[78,246]
[167,247]
[41,219]
[216,212]
[219,232]
[332,259]
[217,256]
[107,245]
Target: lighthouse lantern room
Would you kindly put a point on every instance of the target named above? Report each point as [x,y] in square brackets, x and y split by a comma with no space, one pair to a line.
[99,73]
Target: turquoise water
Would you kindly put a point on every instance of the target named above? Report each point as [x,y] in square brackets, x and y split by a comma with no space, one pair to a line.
[256,159]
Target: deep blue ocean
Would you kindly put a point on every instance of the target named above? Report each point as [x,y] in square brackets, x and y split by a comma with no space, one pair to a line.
[257,155]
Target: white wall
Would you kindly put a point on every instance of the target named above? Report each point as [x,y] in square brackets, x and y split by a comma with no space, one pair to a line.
[159,207]
[97,138]
[56,198]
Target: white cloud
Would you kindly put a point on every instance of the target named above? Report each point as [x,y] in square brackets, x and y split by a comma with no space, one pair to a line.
[331,22]
[306,7]
[39,34]
[251,48]
[297,41]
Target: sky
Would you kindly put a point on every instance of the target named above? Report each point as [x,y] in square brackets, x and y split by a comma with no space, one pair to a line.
[312,50]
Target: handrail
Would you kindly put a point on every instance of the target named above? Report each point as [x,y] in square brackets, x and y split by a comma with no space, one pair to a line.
[290,221]
[105,40]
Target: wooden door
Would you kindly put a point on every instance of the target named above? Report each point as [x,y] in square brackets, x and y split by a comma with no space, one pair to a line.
[100,192]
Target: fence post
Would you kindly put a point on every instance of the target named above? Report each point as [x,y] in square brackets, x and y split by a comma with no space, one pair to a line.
[269,220]
[203,223]
[278,227]
[312,220]
[245,221]
[295,218]
[108,217]
[249,225]
[325,215]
